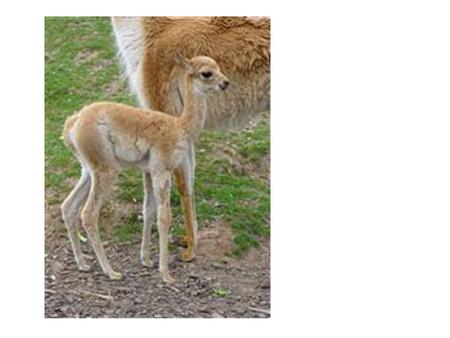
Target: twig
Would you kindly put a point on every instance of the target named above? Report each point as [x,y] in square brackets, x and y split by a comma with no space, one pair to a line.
[92,294]
[81,292]
[267,312]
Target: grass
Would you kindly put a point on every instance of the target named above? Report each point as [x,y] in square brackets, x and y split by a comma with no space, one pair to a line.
[220,292]
[81,67]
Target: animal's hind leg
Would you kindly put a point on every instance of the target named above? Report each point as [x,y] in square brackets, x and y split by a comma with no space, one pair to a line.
[100,186]
[71,214]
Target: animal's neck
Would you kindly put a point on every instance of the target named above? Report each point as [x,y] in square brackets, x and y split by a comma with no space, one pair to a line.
[194,111]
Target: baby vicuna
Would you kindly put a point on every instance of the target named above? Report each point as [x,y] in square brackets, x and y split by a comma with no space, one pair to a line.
[106,137]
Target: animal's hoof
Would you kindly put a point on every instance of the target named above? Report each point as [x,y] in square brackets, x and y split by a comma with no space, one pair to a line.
[113,275]
[187,255]
[147,262]
[168,278]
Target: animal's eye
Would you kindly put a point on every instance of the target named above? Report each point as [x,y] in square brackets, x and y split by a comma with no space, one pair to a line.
[206,75]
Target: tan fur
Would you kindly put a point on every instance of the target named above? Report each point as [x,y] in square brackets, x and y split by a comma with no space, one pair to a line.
[68,125]
[108,136]
[241,45]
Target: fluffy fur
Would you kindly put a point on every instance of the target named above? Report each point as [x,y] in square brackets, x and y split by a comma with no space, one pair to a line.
[107,136]
[241,45]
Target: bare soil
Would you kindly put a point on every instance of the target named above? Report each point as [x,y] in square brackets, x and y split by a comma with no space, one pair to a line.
[213,285]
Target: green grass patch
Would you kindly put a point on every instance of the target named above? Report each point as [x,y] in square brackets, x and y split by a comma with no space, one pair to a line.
[81,67]
[125,232]
[220,292]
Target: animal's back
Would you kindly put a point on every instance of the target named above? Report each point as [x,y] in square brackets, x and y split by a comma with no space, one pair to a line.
[110,134]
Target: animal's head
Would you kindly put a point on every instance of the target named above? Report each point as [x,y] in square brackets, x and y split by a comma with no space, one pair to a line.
[205,73]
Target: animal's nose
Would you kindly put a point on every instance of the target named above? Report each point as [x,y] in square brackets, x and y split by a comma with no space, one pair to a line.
[224,85]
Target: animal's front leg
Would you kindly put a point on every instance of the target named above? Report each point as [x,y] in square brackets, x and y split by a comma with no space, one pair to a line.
[161,185]
[149,213]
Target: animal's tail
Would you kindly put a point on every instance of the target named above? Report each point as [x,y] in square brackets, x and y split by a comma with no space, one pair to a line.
[68,126]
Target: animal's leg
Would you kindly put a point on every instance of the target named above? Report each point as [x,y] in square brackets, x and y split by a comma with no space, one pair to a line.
[184,180]
[190,183]
[161,186]
[149,217]
[100,186]
[71,213]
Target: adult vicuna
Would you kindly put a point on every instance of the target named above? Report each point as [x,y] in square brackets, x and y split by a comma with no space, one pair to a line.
[241,45]
[106,137]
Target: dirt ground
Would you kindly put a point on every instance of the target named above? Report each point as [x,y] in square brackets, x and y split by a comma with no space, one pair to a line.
[214,285]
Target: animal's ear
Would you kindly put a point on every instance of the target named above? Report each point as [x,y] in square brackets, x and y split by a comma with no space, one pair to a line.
[184,63]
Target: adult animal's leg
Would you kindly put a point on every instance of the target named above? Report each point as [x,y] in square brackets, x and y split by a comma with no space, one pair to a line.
[185,182]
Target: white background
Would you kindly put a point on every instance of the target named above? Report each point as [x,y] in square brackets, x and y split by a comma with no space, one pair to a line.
[360,170]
